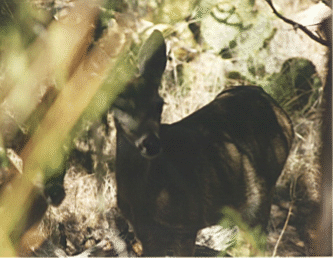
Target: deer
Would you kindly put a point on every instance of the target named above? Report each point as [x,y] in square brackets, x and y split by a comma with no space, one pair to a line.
[175,179]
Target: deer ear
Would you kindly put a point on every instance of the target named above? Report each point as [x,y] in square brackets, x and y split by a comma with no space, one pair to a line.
[152,57]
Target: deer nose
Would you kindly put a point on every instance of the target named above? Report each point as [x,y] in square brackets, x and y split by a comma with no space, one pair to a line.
[149,145]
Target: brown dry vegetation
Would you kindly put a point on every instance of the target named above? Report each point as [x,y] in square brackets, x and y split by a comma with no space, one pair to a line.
[87,222]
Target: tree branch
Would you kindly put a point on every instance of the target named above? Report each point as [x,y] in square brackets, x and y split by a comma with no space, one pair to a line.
[298,26]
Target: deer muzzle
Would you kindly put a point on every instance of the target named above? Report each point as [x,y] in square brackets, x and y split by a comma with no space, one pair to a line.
[149,145]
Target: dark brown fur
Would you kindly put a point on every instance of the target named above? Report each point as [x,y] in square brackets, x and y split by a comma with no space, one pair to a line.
[174,179]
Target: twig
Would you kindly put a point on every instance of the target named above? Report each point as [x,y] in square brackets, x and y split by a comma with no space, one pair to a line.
[298,26]
[292,195]
[283,230]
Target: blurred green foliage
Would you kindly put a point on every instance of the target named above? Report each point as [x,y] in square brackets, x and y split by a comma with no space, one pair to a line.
[296,86]
[18,17]
[250,241]
[233,28]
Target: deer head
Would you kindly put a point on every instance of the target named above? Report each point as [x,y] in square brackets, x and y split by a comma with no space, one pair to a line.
[138,109]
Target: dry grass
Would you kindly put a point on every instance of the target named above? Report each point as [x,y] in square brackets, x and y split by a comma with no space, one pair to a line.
[200,87]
